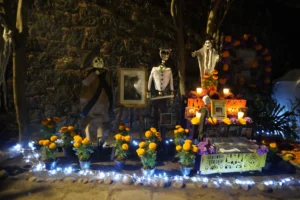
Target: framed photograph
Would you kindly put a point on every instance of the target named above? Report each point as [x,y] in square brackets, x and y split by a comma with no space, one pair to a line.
[218,109]
[132,87]
[166,119]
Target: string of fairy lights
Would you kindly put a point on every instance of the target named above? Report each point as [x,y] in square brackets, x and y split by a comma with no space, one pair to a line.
[31,155]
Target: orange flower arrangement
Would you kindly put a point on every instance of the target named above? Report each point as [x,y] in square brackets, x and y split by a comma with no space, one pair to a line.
[225,67]
[82,148]
[121,144]
[49,126]
[49,149]
[225,54]
[67,134]
[228,38]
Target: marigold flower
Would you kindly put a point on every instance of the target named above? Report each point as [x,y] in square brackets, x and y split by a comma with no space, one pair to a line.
[186,146]
[195,120]
[186,130]
[188,141]
[157,134]
[71,128]
[214,72]
[44,121]
[153,130]
[148,134]
[222,81]
[53,138]
[142,144]
[63,129]
[175,131]
[212,120]
[225,54]
[242,121]
[77,138]
[49,119]
[73,134]
[41,142]
[258,47]
[177,126]
[50,125]
[227,121]
[180,130]
[121,127]
[215,77]
[140,151]
[225,67]
[152,146]
[178,148]
[127,129]
[127,138]
[205,76]
[125,146]
[46,142]
[85,141]
[76,144]
[52,145]
[56,119]
[118,136]
[273,145]
[195,149]
[228,38]
[246,36]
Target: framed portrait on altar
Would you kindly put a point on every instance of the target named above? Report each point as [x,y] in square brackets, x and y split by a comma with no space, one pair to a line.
[132,87]
[218,109]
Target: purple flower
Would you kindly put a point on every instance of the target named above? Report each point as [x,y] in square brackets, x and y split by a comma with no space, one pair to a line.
[248,120]
[233,120]
[212,149]
[263,149]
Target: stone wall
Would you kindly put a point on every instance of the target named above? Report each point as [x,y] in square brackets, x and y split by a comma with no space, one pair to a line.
[63,33]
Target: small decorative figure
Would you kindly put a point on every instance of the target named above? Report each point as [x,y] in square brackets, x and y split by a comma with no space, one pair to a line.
[204,113]
[207,59]
[161,75]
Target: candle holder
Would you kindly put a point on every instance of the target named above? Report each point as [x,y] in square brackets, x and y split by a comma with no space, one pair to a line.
[199,91]
[225,91]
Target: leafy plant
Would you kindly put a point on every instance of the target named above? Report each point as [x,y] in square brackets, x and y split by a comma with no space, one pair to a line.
[186,153]
[147,153]
[274,118]
[180,134]
[49,126]
[67,134]
[121,144]
[82,148]
[48,149]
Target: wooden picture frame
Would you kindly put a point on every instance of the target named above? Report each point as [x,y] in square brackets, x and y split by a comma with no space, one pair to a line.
[218,109]
[132,87]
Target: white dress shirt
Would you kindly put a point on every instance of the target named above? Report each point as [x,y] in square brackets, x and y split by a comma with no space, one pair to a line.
[162,76]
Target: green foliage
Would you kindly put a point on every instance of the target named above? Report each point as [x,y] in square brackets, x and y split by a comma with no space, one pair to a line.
[82,148]
[186,153]
[180,135]
[67,134]
[48,153]
[270,116]
[49,127]
[147,153]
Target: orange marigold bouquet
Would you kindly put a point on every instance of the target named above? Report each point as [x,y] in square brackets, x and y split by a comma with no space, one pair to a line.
[121,143]
[147,154]
[83,148]
[49,126]
[152,135]
[67,134]
[187,153]
[49,149]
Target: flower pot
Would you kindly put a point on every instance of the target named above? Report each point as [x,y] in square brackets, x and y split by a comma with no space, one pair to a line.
[119,165]
[185,171]
[50,164]
[148,172]
[68,151]
[85,165]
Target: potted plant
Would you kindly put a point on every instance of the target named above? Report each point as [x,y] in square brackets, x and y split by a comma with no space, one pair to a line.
[83,150]
[121,145]
[180,134]
[272,151]
[49,152]
[147,154]
[186,154]
[152,135]
[49,127]
[67,134]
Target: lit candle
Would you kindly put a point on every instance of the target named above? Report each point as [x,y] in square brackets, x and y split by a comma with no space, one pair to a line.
[240,115]
[199,90]
[198,114]
[225,91]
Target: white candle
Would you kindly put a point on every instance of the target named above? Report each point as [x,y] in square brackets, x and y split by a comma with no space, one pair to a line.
[225,91]
[198,114]
[240,115]
[199,90]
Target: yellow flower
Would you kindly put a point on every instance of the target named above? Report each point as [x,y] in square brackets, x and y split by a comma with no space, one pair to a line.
[153,129]
[52,145]
[127,138]
[175,131]
[178,147]
[123,138]
[71,128]
[121,127]
[227,121]
[177,126]
[142,144]
[85,141]
[195,149]
[263,142]
[186,130]
[50,125]
[180,130]
[125,146]
[273,145]
[212,120]
[152,146]
[56,119]
[195,121]
[140,151]
[118,136]
[44,121]
[77,138]
[49,119]
[242,121]
[46,142]
[188,142]
[157,134]
[63,129]
[41,142]
[127,129]
[53,138]
[148,134]
[76,144]
[187,146]
[73,134]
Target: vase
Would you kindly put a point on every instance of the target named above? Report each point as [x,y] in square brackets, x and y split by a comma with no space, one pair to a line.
[119,165]
[50,164]
[85,165]
[185,171]
[148,172]
[68,151]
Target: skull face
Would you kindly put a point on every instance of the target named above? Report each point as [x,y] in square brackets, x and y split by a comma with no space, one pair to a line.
[98,62]
[208,44]
[165,54]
